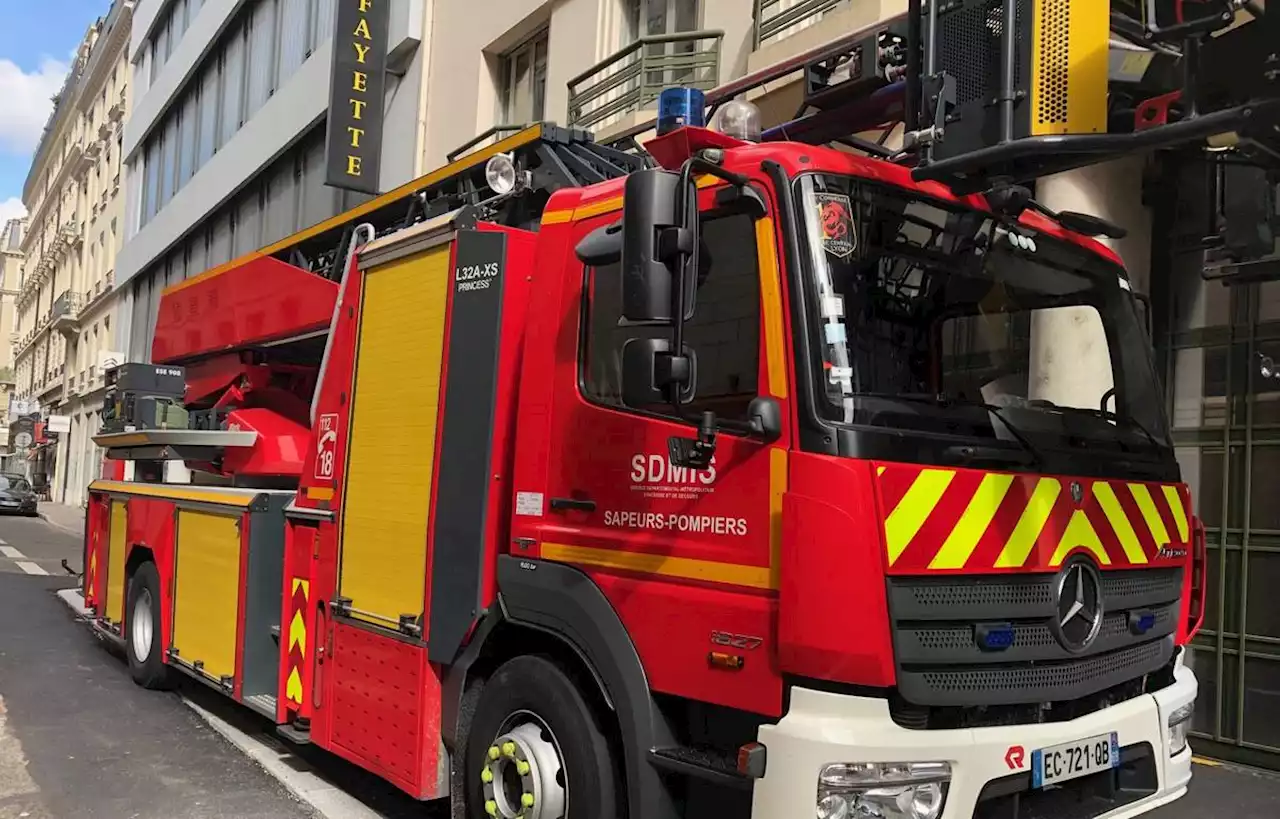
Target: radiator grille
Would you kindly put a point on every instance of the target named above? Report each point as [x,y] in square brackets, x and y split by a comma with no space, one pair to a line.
[941,662]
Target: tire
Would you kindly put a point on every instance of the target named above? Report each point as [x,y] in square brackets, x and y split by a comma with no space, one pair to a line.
[142,629]
[534,735]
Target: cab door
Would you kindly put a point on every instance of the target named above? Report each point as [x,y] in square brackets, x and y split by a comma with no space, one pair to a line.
[687,557]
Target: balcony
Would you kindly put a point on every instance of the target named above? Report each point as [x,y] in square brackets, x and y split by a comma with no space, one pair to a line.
[776,19]
[79,160]
[630,80]
[65,314]
[782,30]
[71,234]
[116,112]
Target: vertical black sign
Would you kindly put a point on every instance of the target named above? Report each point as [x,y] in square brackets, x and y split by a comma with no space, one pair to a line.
[353,144]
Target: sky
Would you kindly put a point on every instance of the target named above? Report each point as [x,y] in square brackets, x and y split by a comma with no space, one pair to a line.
[37,41]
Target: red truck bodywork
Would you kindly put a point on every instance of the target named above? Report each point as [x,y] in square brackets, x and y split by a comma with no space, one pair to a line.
[769,537]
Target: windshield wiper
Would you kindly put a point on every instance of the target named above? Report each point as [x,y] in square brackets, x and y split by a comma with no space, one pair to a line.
[944,400]
[1108,415]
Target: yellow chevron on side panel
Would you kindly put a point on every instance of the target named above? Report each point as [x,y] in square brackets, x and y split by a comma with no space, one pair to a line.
[1023,538]
[1147,505]
[1119,522]
[910,513]
[1174,497]
[977,516]
[1079,533]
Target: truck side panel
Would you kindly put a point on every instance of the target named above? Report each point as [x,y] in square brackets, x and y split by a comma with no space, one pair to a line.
[385,702]
[117,549]
[392,437]
[472,504]
[206,599]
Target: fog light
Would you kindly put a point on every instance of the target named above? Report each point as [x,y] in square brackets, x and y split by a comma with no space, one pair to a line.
[898,790]
[833,807]
[1179,727]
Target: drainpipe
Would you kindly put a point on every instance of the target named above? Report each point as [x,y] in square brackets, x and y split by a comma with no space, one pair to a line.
[424,78]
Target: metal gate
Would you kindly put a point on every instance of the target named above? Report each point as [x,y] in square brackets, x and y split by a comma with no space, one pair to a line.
[1219,348]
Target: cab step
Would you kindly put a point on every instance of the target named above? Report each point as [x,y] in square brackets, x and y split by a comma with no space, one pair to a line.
[296,735]
[712,764]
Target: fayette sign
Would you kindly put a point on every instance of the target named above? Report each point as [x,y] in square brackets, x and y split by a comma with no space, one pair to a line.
[353,142]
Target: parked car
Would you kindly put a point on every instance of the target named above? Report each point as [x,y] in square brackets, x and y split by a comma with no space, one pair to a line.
[16,495]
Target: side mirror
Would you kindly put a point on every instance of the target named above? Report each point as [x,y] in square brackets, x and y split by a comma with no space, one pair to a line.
[659,243]
[602,246]
[649,371]
[1089,225]
[765,417]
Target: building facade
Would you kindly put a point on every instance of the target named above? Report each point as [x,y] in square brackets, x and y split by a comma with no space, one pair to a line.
[225,144]
[10,278]
[66,299]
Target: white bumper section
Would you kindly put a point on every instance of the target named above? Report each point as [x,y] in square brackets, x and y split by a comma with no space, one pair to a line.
[822,728]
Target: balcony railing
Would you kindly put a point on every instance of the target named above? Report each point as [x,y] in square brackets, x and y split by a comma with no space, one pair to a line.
[776,18]
[66,311]
[632,78]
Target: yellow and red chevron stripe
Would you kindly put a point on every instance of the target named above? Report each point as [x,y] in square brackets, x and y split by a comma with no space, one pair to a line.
[297,649]
[971,521]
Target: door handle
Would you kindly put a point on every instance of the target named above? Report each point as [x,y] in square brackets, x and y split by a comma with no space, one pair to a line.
[579,504]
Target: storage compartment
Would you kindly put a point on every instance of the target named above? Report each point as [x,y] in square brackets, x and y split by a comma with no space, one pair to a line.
[117,552]
[392,439]
[207,593]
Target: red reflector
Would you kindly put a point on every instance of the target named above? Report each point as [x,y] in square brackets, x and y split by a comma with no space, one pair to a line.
[1199,572]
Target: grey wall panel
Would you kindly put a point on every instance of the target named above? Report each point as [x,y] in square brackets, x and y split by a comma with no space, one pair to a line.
[281,217]
[209,102]
[295,37]
[233,71]
[262,55]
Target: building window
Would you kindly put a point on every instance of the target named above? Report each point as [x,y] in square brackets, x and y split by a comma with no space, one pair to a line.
[523,78]
[724,333]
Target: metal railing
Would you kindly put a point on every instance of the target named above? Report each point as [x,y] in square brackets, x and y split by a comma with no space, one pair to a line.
[67,304]
[774,17]
[631,78]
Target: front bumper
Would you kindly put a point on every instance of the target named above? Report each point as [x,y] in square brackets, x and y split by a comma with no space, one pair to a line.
[821,728]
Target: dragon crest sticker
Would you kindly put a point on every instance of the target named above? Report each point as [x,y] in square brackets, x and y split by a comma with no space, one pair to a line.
[839,237]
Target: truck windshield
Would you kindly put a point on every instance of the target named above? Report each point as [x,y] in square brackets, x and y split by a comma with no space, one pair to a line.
[931,318]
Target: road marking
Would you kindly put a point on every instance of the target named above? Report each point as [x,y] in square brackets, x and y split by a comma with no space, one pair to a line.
[1208,763]
[11,553]
[30,568]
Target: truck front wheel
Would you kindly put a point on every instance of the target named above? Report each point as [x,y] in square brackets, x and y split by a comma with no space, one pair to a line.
[142,629]
[536,750]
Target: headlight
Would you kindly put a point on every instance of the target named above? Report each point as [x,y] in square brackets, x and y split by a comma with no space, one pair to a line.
[884,790]
[1179,725]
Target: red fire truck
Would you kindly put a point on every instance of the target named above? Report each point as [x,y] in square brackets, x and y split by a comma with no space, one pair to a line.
[573,481]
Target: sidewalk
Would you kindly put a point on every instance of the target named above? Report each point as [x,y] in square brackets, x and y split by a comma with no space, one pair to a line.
[68,518]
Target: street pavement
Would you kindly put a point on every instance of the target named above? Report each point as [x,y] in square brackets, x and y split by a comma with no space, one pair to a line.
[78,740]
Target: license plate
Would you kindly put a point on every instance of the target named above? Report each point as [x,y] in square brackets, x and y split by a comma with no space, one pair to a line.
[1072,760]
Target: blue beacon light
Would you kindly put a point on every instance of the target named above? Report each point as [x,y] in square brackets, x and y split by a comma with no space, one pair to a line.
[678,107]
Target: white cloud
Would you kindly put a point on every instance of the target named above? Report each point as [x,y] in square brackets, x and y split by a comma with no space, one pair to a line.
[11,208]
[27,103]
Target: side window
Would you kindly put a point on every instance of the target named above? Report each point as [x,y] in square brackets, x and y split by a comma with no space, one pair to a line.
[724,332]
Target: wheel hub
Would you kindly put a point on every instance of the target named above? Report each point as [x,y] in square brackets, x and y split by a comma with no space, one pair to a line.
[142,626]
[523,775]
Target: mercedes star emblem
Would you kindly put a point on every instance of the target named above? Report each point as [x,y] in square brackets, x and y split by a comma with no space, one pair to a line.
[1077,492]
[1078,603]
